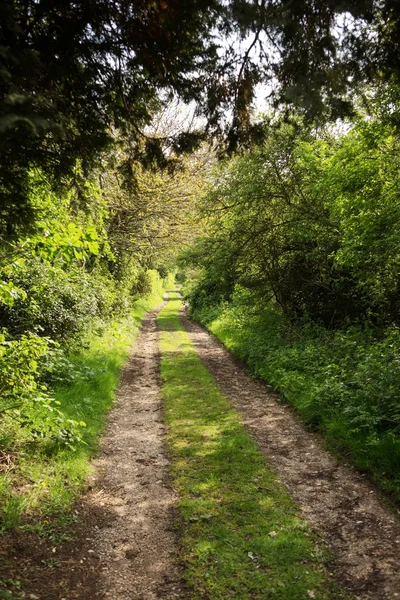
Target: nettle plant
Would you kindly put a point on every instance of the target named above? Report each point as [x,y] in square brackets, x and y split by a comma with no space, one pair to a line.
[27,401]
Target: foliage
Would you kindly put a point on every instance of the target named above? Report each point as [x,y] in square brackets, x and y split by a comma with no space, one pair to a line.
[71,73]
[311,221]
[362,185]
[26,401]
[19,366]
[150,221]
[72,271]
[10,292]
[48,467]
[58,303]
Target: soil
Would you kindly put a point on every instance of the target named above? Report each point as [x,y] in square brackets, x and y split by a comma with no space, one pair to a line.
[137,549]
[126,546]
[349,514]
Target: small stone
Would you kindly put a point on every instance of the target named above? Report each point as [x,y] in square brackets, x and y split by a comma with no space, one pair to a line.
[132,553]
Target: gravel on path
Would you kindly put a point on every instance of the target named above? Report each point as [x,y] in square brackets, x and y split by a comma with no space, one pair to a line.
[136,543]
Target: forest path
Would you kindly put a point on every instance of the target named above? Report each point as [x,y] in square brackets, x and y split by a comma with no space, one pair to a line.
[127,547]
[134,540]
[360,531]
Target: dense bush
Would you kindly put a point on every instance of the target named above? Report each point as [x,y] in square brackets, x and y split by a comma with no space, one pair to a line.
[310,221]
[25,401]
[58,303]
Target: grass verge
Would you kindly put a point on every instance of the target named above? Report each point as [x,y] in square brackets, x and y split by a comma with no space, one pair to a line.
[241,534]
[342,383]
[39,483]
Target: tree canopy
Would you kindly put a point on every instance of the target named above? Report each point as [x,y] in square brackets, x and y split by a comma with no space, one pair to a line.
[70,72]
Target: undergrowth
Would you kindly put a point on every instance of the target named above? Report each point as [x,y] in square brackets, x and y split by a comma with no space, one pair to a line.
[41,477]
[344,383]
[240,533]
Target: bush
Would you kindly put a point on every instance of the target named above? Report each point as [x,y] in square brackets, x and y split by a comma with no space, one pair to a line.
[24,399]
[143,285]
[57,304]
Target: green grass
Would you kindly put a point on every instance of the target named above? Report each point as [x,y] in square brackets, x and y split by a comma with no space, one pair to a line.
[241,534]
[39,490]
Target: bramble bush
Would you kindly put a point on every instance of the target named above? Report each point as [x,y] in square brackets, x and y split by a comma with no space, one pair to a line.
[25,400]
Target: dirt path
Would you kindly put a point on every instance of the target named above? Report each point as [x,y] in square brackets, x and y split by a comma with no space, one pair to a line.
[127,548]
[362,533]
[138,550]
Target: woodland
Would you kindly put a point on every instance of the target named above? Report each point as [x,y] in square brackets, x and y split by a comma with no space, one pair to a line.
[249,150]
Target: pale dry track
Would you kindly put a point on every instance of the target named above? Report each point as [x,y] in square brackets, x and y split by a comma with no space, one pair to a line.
[136,547]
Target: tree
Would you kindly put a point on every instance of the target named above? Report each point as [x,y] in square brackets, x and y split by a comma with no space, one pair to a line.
[152,220]
[71,71]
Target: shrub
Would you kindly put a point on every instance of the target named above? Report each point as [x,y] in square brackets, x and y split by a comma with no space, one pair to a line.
[57,304]
[24,399]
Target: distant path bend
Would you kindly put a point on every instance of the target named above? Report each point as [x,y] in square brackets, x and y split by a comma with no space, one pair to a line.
[362,533]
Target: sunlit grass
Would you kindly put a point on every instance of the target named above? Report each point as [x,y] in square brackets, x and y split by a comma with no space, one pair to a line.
[240,532]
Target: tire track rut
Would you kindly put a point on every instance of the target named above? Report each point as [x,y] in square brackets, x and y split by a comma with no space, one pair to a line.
[136,545]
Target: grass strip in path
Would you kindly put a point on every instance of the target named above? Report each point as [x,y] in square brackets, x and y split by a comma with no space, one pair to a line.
[241,535]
